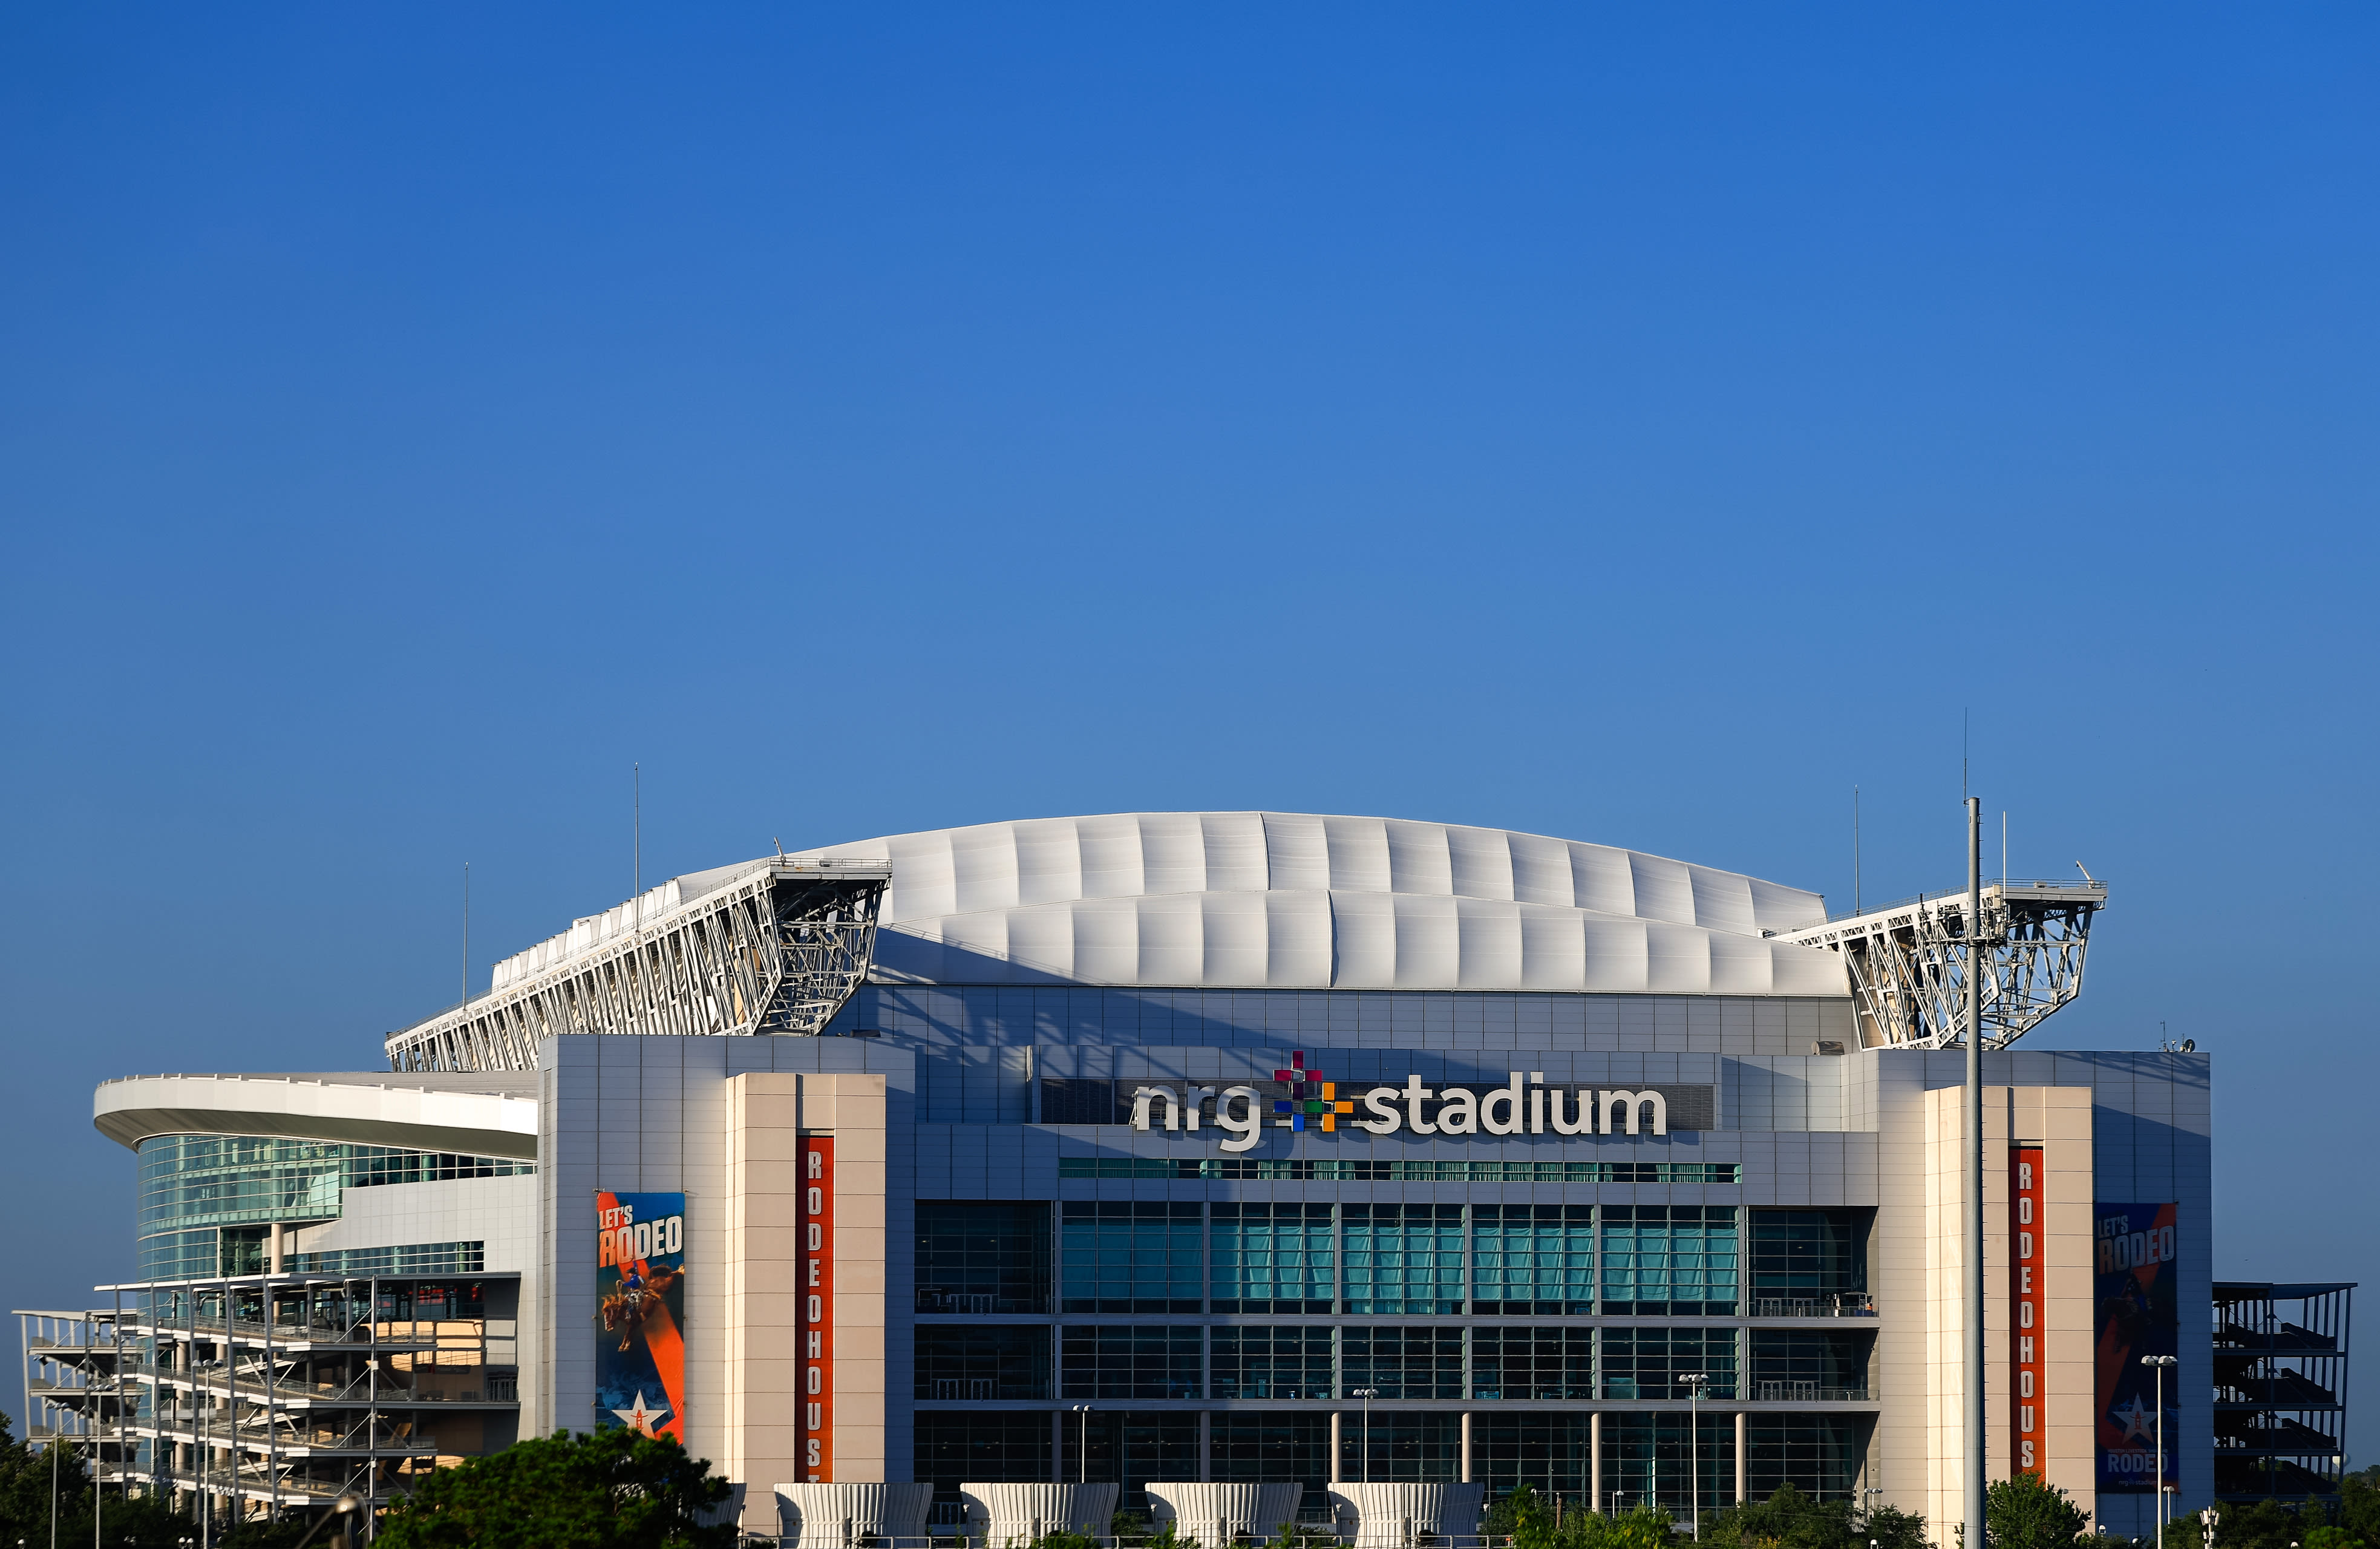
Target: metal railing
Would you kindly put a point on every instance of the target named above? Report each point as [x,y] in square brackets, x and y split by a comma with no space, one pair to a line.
[1840,1304]
[2059,885]
[1809,1393]
[978,1302]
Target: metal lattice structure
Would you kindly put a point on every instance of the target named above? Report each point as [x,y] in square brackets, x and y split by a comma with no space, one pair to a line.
[2280,1389]
[776,947]
[1908,962]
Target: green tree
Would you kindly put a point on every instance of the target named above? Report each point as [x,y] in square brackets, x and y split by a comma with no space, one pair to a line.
[1789,1519]
[611,1490]
[2264,1524]
[1533,1522]
[2358,1504]
[27,1476]
[2026,1512]
[1892,1528]
[26,1480]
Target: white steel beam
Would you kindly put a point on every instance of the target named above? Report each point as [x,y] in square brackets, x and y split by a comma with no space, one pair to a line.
[779,949]
[1908,962]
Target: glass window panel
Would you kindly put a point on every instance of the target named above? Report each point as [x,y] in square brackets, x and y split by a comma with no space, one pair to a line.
[1547,1452]
[1806,1260]
[979,1360]
[1819,1454]
[1271,1360]
[1262,1448]
[1798,1365]
[1533,1261]
[1514,1363]
[1647,1362]
[1400,1447]
[1121,1256]
[1401,1362]
[1669,1260]
[1649,1458]
[1271,1258]
[990,1447]
[1132,1448]
[1403,1259]
[1128,1360]
[982,1256]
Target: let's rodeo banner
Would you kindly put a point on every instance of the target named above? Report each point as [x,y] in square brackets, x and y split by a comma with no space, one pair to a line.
[2137,1288]
[640,1290]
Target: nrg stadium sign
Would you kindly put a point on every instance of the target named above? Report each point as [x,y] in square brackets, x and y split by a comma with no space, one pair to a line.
[1524,1106]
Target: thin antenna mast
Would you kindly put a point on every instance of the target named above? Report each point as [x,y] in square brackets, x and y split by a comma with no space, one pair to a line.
[1972,1272]
[636,774]
[467,932]
[1963,755]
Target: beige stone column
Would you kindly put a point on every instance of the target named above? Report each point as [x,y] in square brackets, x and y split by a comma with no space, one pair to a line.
[768,1113]
[2058,1120]
[1466,1447]
[1742,1459]
[1595,1460]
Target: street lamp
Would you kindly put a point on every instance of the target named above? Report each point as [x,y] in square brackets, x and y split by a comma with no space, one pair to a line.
[1082,1444]
[340,1509]
[1693,1382]
[1367,1395]
[2159,1364]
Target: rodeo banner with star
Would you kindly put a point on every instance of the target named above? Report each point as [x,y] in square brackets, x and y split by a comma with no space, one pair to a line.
[640,1316]
[2137,1288]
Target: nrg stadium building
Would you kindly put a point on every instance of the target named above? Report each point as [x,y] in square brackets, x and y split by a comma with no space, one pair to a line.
[1164,1152]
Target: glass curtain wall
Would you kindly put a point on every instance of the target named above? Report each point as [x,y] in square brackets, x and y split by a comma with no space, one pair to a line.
[1533,1261]
[1131,1256]
[1402,1259]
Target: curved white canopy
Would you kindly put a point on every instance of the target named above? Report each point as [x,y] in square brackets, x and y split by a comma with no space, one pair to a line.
[1289,900]
[480,1114]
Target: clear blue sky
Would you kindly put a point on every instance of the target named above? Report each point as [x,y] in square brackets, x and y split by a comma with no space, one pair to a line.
[1639,425]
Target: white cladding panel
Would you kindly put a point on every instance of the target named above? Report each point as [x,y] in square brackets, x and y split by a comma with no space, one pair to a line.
[1292,900]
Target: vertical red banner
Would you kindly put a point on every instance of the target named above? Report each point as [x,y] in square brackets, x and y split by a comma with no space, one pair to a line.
[2028,1197]
[818,1309]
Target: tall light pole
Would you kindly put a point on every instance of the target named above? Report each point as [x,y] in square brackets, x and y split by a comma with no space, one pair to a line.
[1694,1381]
[1367,1395]
[1082,1444]
[2159,1364]
[1975,1170]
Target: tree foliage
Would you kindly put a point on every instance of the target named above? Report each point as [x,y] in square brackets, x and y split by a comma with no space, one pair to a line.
[2358,1504]
[2277,1524]
[26,1481]
[610,1490]
[1533,1523]
[2027,1512]
[1789,1519]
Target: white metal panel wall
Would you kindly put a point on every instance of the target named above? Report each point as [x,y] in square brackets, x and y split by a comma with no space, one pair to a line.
[1292,900]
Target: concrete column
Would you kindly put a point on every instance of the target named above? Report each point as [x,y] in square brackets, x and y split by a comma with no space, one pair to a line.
[1335,1418]
[1466,1447]
[1742,1460]
[1207,1447]
[1594,1461]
